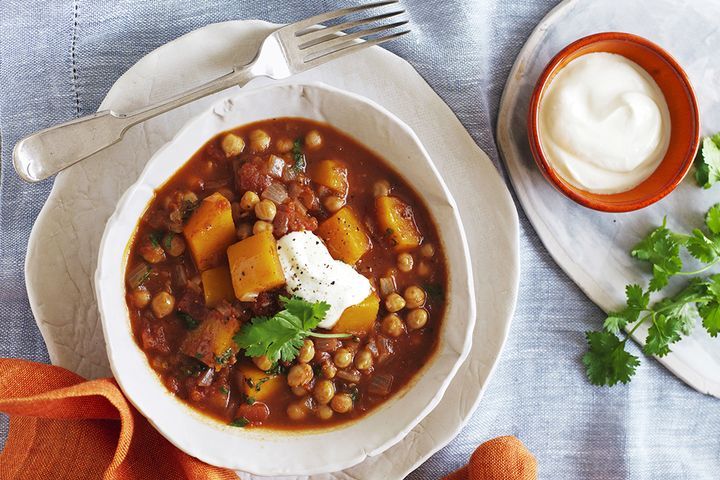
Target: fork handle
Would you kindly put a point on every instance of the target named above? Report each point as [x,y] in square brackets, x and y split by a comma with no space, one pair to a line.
[49,151]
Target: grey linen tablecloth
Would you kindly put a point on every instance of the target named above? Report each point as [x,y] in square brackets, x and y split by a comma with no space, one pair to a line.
[59,58]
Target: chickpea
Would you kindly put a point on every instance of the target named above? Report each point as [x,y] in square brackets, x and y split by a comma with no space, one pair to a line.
[259,140]
[262,362]
[265,210]
[423,269]
[162,304]
[152,252]
[299,375]
[297,411]
[261,226]
[249,200]
[427,250]
[341,403]
[392,325]
[405,262]
[227,193]
[343,358]
[324,412]
[363,360]
[328,370]
[174,244]
[232,145]
[381,188]
[299,391]
[313,140]
[394,303]
[140,297]
[414,297]
[324,391]
[244,230]
[333,203]
[284,145]
[417,318]
[307,351]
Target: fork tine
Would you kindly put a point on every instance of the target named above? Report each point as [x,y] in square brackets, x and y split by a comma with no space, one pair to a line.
[341,52]
[340,41]
[323,34]
[302,25]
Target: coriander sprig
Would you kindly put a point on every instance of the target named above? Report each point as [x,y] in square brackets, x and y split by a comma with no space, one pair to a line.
[669,319]
[280,337]
[707,162]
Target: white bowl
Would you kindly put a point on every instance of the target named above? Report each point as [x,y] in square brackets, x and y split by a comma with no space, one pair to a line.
[261,451]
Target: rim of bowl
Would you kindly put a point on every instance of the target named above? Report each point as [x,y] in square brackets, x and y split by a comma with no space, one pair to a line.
[548,171]
[461,354]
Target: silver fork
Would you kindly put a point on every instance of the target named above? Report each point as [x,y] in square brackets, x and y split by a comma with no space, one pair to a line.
[290,50]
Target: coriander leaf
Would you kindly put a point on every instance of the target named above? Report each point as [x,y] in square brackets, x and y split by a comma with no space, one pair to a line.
[298,155]
[606,361]
[707,162]
[154,239]
[167,241]
[710,313]
[662,249]
[434,291]
[310,314]
[239,422]
[272,337]
[703,248]
[280,337]
[637,301]
[712,219]
[665,330]
[189,322]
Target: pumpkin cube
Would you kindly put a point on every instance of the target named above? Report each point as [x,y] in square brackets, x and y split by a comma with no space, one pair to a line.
[359,319]
[332,174]
[217,285]
[212,340]
[397,223]
[255,266]
[209,231]
[345,236]
[258,384]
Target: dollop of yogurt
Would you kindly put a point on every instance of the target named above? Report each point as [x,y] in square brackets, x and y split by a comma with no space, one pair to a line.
[604,123]
[314,275]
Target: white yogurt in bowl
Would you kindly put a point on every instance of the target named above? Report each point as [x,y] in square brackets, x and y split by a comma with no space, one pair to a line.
[604,123]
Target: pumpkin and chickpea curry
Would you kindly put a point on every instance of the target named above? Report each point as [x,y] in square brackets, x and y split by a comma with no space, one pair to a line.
[286,277]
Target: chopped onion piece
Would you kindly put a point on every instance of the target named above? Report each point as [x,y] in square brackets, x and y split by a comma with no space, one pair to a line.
[387,286]
[181,279]
[225,309]
[275,192]
[326,344]
[138,275]
[372,347]
[215,184]
[350,375]
[276,166]
[207,377]
[385,349]
[380,384]
[300,207]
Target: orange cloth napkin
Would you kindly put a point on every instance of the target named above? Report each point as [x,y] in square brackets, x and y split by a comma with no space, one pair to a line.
[63,426]
[502,458]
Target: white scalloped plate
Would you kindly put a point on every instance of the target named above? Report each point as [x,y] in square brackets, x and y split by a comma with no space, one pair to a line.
[592,247]
[63,246]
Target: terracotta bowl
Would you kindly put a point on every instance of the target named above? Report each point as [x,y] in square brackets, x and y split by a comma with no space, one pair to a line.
[684,119]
